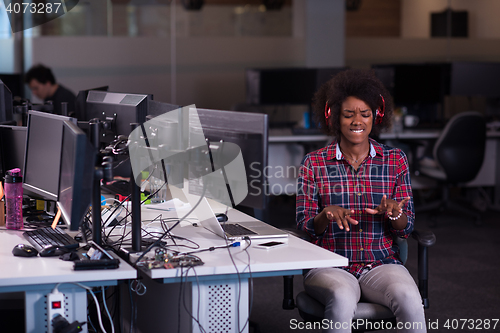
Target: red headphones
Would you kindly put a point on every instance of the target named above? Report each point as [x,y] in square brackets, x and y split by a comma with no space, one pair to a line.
[378,116]
[380,112]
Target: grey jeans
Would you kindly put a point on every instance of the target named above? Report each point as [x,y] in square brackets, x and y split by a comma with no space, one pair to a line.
[390,285]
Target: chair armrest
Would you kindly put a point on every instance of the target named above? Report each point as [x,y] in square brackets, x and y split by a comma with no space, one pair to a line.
[424,237]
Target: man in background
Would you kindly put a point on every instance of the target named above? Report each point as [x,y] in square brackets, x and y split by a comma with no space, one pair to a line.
[43,85]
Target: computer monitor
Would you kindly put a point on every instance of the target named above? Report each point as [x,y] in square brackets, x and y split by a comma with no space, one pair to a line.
[119,111]
[81,102]
[6,103]
[250,132]
[418,83]
[272,86]
[76,176]
[13,145]
[156,108]
[475,79]
[42,163]
[15,83]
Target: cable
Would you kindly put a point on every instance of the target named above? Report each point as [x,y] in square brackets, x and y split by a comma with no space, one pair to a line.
[197,320]
[175,224]
[96,304]
[107,311]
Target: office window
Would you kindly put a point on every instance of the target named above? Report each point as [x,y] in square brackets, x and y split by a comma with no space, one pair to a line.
[153,18]
[5,30]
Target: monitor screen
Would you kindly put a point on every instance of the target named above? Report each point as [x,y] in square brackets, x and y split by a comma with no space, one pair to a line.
[76,177]
[6,103]
[475,79]
[13,145]
[250,132]
[412,84]
[43,154]
[286,85]
[15,83]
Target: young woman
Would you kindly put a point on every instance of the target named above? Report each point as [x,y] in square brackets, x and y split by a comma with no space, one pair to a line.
[353,197]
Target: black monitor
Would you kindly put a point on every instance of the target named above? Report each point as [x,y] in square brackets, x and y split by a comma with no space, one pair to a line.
[410,84]
[81,102]
[76,177]
[15,83]
[475,79]
[156,108]
[118,111]
[272,86]
[13,145]
[6,103]
[250,132]
[42,161]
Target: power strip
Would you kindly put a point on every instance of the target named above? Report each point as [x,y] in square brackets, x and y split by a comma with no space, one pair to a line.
[55,305]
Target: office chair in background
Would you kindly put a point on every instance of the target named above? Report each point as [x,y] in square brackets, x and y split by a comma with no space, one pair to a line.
[372,314]
[457,158]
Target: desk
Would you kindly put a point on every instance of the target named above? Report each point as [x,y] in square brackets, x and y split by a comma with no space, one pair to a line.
[37,276]
[215,286]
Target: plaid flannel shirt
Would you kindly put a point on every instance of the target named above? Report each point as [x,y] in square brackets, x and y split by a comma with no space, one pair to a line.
[326,178]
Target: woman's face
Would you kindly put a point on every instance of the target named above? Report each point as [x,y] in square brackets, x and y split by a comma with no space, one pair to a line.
[356,119]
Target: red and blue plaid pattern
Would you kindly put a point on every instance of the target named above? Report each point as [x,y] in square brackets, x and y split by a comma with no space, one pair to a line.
[326,180]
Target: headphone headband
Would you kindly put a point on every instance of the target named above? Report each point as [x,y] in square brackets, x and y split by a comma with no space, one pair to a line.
[380,111]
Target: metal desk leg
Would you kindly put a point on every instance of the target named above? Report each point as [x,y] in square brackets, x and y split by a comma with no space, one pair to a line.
[216,306]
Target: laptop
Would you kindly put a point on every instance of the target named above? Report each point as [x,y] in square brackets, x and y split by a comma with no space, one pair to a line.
[252,229]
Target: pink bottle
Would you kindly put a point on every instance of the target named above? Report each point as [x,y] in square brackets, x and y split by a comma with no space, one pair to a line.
[14,199]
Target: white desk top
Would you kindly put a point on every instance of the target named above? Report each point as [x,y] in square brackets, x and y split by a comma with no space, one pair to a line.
[21,271]
[297,255]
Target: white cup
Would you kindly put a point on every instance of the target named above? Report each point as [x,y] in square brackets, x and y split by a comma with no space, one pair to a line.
[411,120]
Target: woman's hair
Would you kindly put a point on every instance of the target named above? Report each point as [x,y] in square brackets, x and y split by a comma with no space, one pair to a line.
[362,84]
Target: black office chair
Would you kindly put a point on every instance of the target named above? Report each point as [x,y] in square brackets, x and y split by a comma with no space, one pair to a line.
[372,314]
[457,158]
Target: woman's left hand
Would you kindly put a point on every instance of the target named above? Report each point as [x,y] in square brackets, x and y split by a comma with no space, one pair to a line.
[392,207]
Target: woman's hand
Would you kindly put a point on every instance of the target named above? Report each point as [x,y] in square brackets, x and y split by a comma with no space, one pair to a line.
[392,208]
[341,216]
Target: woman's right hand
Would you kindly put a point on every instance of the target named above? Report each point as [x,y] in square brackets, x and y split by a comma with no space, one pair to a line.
[341,216]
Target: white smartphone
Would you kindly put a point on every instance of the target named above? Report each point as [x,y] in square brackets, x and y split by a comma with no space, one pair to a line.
[269,245]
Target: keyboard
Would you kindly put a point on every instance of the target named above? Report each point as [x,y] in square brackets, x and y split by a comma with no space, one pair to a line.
[120,187]
[47,236]
[233,229]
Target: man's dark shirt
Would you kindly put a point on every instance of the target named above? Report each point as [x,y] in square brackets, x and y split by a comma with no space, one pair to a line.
[62,94]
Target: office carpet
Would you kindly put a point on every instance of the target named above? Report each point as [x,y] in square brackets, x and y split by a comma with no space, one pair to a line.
[464,279]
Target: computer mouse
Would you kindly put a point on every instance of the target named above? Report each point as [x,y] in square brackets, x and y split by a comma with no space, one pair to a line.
[24,250]
[221,217]
[52,251]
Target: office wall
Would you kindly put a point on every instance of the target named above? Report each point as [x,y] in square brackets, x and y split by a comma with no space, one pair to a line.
[483,17]
[415,44]
[210,71]
[363,52]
